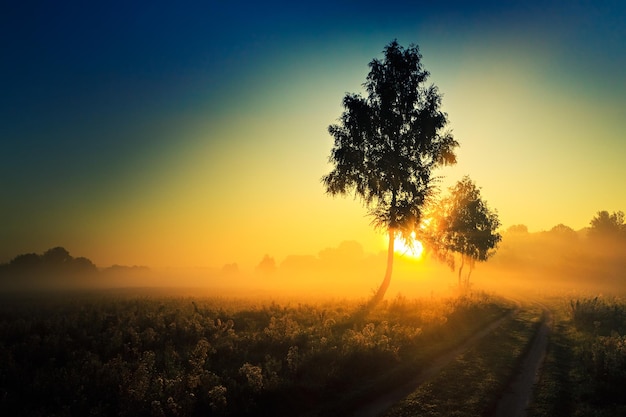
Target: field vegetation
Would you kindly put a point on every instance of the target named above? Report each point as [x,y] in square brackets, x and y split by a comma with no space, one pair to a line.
[585,369]
[94,354]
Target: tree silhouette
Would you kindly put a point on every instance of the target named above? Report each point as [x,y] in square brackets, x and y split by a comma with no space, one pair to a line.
[605,225]
[267,265]
[53,263]
[518,229]
[465,225]
[25,261]
[386,145]
[57,256]
[561,231]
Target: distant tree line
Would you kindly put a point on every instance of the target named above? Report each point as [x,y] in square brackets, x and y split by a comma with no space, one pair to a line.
[55,261]
[57,266]
[603,226]
[590,259]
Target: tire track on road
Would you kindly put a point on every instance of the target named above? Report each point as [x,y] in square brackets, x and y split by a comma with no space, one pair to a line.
[516,398]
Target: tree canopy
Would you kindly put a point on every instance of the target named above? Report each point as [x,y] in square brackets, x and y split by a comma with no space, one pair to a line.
[388,143]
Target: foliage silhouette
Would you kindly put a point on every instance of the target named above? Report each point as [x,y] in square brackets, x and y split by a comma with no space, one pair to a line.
[56,256]
[54,263]
[605,225]
[562,231]
[519,229]
[24,261]
[465,225]
[386,146]
[267,265]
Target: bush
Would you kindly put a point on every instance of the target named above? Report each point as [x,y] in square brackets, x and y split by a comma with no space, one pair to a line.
[598,316]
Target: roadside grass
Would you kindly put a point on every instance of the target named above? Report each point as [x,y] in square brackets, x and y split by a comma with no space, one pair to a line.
[585,368]
[472,384]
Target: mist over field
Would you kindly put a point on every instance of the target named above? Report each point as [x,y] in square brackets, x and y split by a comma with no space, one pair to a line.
[559,260]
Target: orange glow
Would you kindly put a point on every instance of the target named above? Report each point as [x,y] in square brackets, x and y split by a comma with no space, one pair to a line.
[413,248]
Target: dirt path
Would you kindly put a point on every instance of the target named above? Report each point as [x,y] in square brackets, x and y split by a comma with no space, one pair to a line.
[379,405]
[516,398]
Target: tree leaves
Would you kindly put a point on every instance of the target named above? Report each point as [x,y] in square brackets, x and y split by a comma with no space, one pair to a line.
[465,225]
[388,143]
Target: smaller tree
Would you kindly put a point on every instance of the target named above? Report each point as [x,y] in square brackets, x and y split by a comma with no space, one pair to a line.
[518,229]
[563,232]
[267,265]
[57,256]
[463,224]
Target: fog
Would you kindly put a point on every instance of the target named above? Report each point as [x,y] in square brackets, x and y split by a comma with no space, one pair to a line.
[561,261]
[558,261]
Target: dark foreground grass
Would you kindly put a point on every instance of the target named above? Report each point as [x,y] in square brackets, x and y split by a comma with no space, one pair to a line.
[585,369]
[472,384]
[104,354]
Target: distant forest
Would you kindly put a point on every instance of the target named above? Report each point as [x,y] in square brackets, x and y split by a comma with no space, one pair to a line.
[55,266]
[55,260]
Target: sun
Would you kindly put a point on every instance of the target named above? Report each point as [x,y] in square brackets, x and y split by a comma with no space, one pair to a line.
[415,249]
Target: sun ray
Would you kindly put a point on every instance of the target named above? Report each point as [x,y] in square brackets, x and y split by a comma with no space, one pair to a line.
[413,248]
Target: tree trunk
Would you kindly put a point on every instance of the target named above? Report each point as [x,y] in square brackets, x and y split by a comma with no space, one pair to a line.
[461,269]
[467,280]
[380,294]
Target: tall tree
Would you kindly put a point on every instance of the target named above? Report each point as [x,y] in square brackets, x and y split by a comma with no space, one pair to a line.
[387,144]
[466,226]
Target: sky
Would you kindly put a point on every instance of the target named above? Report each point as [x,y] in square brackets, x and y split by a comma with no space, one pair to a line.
[195,133]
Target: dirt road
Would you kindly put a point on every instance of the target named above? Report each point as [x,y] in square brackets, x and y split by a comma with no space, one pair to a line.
[517,397]
[379,405]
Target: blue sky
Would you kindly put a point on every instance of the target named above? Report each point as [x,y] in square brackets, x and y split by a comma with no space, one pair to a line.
[193,133]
